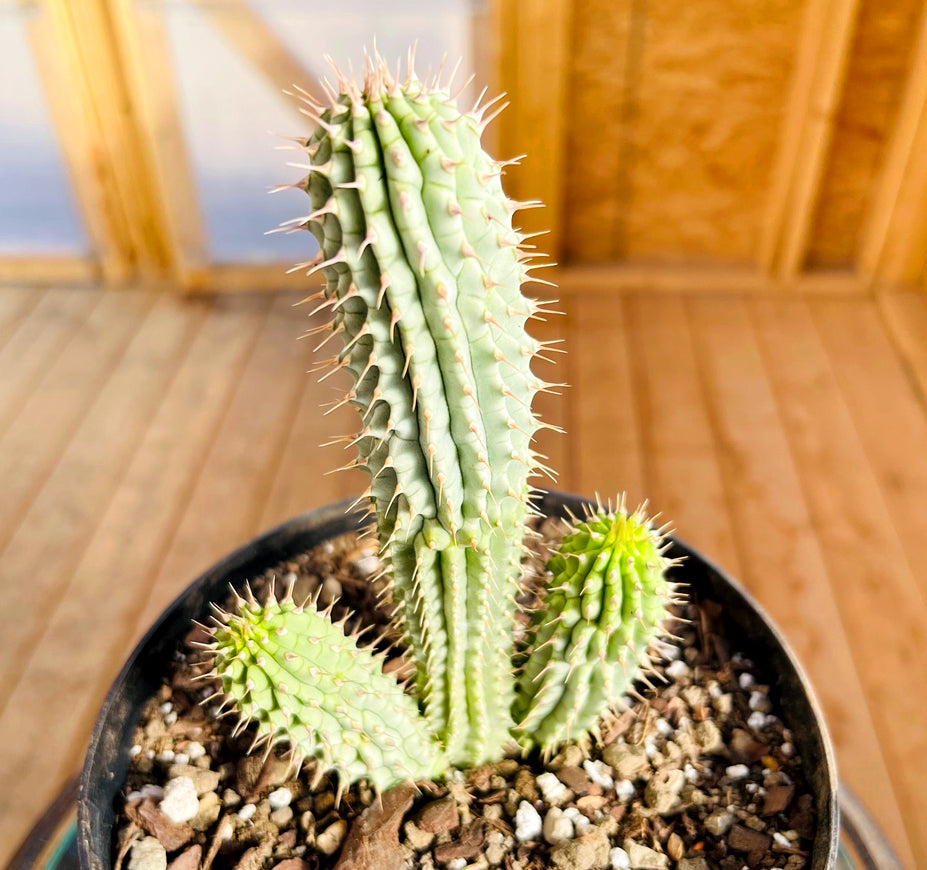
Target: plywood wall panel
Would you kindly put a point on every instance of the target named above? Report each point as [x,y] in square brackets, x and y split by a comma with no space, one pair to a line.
[879,63]
[710,100]
[596,164]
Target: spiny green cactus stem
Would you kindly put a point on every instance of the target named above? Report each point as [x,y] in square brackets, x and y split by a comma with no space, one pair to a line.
[604,612]
[295,673]
[423,271]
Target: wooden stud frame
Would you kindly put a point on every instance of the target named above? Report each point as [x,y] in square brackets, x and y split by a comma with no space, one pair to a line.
[893,249]
[817,86]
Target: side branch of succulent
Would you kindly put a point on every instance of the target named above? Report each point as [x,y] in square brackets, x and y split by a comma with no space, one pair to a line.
[423,272]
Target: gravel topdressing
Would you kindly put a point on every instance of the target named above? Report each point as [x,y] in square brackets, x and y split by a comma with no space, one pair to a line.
[701,773]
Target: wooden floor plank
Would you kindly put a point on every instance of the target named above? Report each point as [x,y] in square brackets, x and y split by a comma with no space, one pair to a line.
[783,564]
[38,560]
[15,304]
[110,582]
[888,414]
[306,476]
[679,453]
[875,593]
[38,434]
[605,436]
[905,317]
[36,343]
[206,430]
[226,508]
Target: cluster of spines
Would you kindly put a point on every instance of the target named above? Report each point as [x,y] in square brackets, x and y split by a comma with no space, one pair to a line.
[303,681]
[423,272]
[602,620]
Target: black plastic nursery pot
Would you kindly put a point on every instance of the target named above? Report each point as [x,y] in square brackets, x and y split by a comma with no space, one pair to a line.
[747,626]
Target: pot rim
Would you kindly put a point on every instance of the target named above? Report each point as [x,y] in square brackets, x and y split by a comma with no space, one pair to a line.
[335,518]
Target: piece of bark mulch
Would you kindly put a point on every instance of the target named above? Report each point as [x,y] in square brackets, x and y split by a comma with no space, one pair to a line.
[373,840]
[468,845]
[169,834]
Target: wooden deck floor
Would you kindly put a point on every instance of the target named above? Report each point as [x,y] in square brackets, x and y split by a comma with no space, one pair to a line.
[143,436]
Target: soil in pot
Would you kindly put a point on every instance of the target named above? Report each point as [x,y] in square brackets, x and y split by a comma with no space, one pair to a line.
[700,772]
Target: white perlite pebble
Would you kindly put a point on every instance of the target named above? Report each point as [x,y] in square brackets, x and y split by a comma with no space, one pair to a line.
[135,751]
[180,802]
[557,827]
[598,772]
[746,680]
[279,798]
[678,670]
[165,757]
[553,790]
[195,750]
[756,720]
[147,854]
[181,758]
[782,840]
[146,791]
[457,864]
[624,788]
[690,772]
[528,825]
[246,812]
[619,859]
[737,771]
[664,727]
[166,707]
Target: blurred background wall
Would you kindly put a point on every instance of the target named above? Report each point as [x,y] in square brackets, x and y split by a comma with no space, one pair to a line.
[732,143]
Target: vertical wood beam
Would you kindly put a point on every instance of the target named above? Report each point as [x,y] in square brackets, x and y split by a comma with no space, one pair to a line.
[92,194]
[133,222]
[534,39]
[817,85]
[146,59]
[254,39]
[892,247]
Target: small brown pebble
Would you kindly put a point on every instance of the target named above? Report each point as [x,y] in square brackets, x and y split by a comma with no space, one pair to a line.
[526,786]
[287,840]
[583,853]
[189,859]
[506,767]
[324,801]
[745,749]
[254,858]
[480,777]
[576,779]
[675,847]
[753,843]
[777,799]
[591,802]
[330,840]
[439,815]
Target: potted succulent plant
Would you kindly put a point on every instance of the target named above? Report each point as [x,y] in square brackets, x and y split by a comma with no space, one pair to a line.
[507,671]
